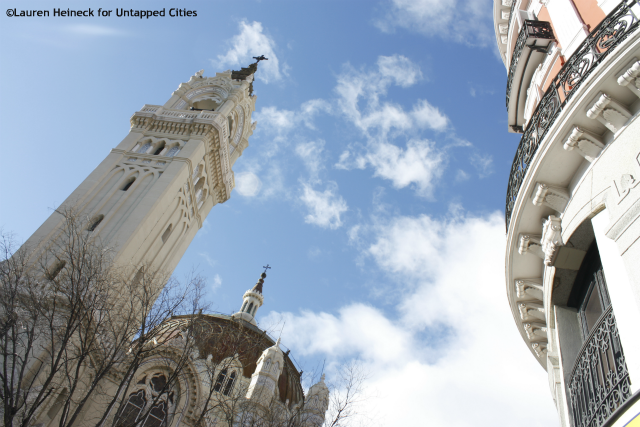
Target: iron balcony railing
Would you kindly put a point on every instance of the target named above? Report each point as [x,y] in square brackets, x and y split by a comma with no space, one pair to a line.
[602,41]
[530,29]
[599,382]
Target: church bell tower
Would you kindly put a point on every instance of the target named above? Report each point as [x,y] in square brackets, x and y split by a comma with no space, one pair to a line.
[147,199]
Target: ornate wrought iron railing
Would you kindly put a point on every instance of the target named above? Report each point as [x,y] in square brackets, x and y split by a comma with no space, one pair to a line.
[599,382]
[602,41]
[537,29]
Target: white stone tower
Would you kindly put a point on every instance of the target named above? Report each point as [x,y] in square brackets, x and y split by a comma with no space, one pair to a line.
[252,300]
[263,383]
[151,194]
[316,404]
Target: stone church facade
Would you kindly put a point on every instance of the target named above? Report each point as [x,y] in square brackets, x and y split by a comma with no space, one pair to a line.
[145,202]
[573,200]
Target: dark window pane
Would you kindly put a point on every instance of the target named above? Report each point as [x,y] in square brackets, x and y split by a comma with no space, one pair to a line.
[132,409]
[593,308]
[156,415]
[221,377]
[158,383]
[229,385]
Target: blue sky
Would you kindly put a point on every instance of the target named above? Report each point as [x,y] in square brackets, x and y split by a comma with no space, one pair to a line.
[374,183]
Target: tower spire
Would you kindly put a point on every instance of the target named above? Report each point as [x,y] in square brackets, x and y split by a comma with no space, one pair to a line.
[252,300]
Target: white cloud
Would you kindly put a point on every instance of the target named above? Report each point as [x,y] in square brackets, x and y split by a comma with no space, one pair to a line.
[279,121]
[419,165]
[216,282]
[248,184]
[314,252]
[463,21]
[252,41]
[276,120]
[325,208]
[210,261]
[400,69]
[426,115]
[461,175]
[451,355]
[483,164]
[356,87]
[360,99]
[311,154]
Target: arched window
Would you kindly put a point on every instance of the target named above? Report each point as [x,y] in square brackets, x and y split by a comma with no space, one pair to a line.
[229,386]
[55,269]
[60,400]
[128,184]
[159,149]
[96,221]
[250,308]
[158,382]
[173,151]
[243,306]
[133,409]
[230,120]
[139,276]
[145,148]
[167,233]
[157,414]
[276,367]
[148,405]
[196,172]
[222,376]
[202,198]
[267,364]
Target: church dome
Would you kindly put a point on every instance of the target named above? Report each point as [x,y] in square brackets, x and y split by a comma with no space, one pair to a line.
[222,336]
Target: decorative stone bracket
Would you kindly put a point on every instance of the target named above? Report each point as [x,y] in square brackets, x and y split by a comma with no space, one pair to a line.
[531,311]
[609,112]
[535,331]
[540,348]
[530,244]
[584,143]
[554,197]
[529,288]
[545,246]
[630,78]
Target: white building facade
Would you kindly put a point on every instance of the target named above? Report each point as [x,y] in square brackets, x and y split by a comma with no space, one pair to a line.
[573,200]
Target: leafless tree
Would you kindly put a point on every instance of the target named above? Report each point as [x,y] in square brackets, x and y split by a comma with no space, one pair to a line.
[347,394]
[70,318]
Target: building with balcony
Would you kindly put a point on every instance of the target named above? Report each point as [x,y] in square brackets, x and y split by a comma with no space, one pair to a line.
[573,201]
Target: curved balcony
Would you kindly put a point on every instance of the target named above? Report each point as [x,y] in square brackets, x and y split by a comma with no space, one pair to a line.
[531,47]
[602,41]
[599,382]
